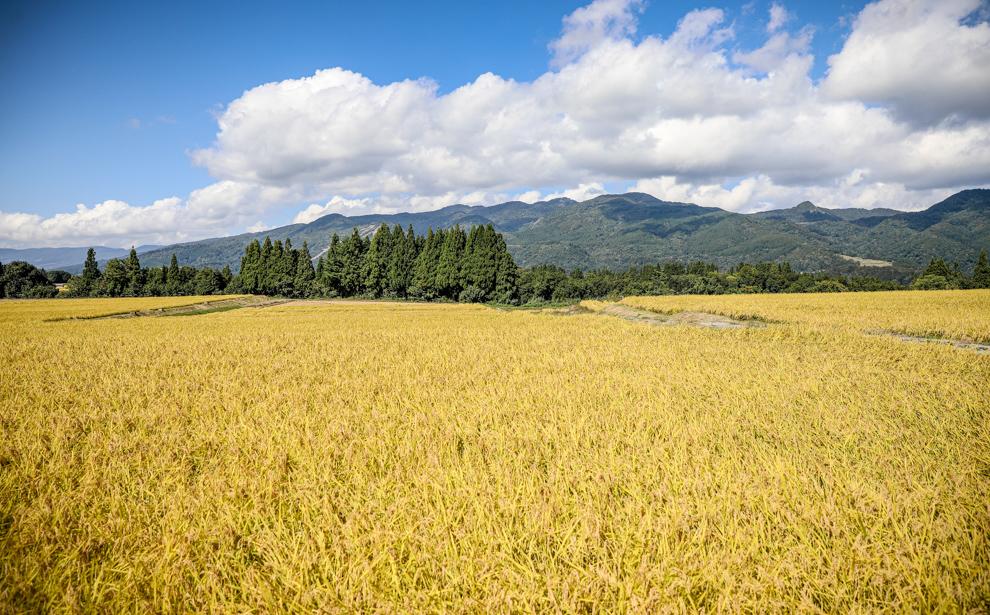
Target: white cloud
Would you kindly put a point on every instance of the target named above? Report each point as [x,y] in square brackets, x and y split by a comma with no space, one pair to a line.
[582,193]
[589,25]
[338,205]
[206,212]
[760,193]
[741,128]
[530,196]
[918,58]
[778,17]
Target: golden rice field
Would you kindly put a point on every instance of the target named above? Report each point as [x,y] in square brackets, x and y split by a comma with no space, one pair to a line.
[391,457]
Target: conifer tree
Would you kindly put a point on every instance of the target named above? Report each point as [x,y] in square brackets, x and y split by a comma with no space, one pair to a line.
[321,271]
[265,266]
[353,251]
[506,274]
[449,281]
[135,276]
[90,277]
[423,284]
[331,276]
[248,277]
[981,273]
[304,284]
[479,263]
[377,261]
[205,282]
[938,266]
[401,261]
[173,284]
[225,277]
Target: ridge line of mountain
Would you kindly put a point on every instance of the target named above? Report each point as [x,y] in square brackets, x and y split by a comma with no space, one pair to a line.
[620,230]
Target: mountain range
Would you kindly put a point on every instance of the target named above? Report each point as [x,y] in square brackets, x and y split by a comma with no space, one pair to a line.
[617,231]
[65,258]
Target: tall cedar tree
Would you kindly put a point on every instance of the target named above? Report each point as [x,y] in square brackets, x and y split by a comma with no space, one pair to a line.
[332,273]
[265,265]
[449,280]
[173,283]
[478,268]
[305,283]
[506,273]
[424,279]
[135,276]
[249,277]
[352,254]
[377,260]
[90,274]
[402,261]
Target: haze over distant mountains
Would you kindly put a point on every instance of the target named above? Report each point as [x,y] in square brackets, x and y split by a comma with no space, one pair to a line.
[617,231]
[65,258]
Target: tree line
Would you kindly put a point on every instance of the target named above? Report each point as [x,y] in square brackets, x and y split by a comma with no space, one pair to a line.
[444,265]
[552,283]
[454,265]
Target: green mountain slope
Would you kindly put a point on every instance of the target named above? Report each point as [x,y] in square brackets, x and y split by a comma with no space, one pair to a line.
[617,231]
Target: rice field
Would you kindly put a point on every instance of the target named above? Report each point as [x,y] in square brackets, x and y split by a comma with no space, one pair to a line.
[401,457]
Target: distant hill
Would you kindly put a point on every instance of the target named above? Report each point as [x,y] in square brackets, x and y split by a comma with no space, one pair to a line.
[617,231]
[64,258]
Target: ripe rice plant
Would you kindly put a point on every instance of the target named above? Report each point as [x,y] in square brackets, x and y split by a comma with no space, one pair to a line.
[410,457]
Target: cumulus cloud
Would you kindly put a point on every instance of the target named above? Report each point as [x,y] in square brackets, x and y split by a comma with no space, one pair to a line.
[209,211]
[902,111]
[919,57]
[589,26]
[760,193]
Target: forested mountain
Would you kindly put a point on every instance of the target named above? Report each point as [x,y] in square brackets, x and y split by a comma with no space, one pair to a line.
[618,231]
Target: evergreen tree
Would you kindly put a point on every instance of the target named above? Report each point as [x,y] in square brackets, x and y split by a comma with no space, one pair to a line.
[248,278]
[402,261]
[449,282]
[331,275]
[265,274]
[173,283]
[135,276]
[479,264]
[937,266]
[507,274]
[423,284]
[981,273]
[205,282]
[281,269]
[305,280]
[90,278]
[377,260]
[353,251]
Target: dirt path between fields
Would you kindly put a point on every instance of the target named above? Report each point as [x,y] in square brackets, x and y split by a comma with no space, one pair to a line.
[920,339]
[691,319]
[192,309]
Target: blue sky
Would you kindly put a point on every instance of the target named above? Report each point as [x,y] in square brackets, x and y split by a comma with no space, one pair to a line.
[104,99]
[107,101]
